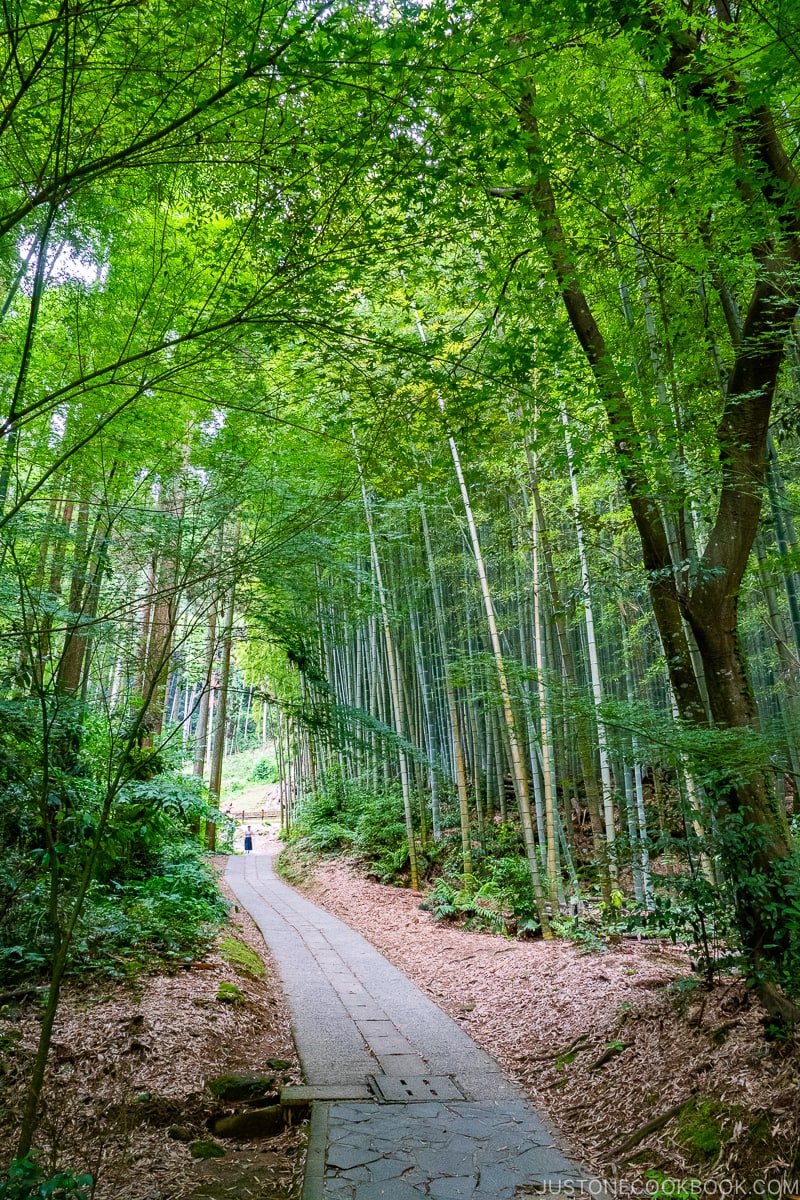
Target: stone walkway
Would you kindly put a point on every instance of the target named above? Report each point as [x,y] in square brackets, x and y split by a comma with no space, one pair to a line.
[404,1104]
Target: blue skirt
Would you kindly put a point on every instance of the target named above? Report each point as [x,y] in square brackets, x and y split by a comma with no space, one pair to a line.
[248,843]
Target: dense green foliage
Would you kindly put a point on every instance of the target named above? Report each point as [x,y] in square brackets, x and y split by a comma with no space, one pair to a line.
[409,393]
[347,815]
[151,895]
[27,1181]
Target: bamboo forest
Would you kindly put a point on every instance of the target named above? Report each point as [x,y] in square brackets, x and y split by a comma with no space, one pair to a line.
[399,454]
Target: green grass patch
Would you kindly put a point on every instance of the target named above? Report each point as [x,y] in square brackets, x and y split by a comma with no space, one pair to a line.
[666,1188]
[250,767]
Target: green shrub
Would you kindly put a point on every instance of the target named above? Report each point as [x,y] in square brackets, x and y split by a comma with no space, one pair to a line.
[25,1180]
[172,914]
[586,931]
[500,896]
[380,825]
[487,908]
[314,813]
[264,771]
[328,837]
[510,878]
[446,901]
[346,815]
[153,895]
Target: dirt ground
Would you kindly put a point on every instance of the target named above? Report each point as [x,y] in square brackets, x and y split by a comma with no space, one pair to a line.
[604,1042]
[130,1063]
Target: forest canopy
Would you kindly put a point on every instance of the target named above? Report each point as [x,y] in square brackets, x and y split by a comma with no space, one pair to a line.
[413,387]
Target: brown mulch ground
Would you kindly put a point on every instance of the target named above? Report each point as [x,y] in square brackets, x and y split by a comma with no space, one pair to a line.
[131,1060]
[631,1046]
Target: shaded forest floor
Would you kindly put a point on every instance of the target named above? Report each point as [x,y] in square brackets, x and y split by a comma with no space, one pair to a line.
[126,1091]
[605,1042]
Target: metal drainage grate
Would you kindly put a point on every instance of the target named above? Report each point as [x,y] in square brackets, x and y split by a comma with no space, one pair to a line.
[406,1089]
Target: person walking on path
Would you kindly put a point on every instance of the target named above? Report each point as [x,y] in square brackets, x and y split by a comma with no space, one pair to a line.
[404,1104]
[248,840]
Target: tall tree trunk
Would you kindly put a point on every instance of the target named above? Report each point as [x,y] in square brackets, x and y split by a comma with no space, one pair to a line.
[515,750]
[430,738]
[201,728]
[547,750]
[783,534]
[71,660]
[220,715]
[711,608]
[394,688]
[583,729]
[594,662]
[452,706]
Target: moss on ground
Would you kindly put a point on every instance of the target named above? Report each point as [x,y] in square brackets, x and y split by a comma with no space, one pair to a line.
[705,1126]
[229,993]
[206,1149]
[242,958]
[700,1129]
[294,865]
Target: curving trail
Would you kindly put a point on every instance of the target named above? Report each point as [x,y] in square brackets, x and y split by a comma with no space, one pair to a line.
[405,1105]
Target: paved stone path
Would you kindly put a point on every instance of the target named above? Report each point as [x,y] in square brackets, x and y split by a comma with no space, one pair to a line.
[405,1105]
